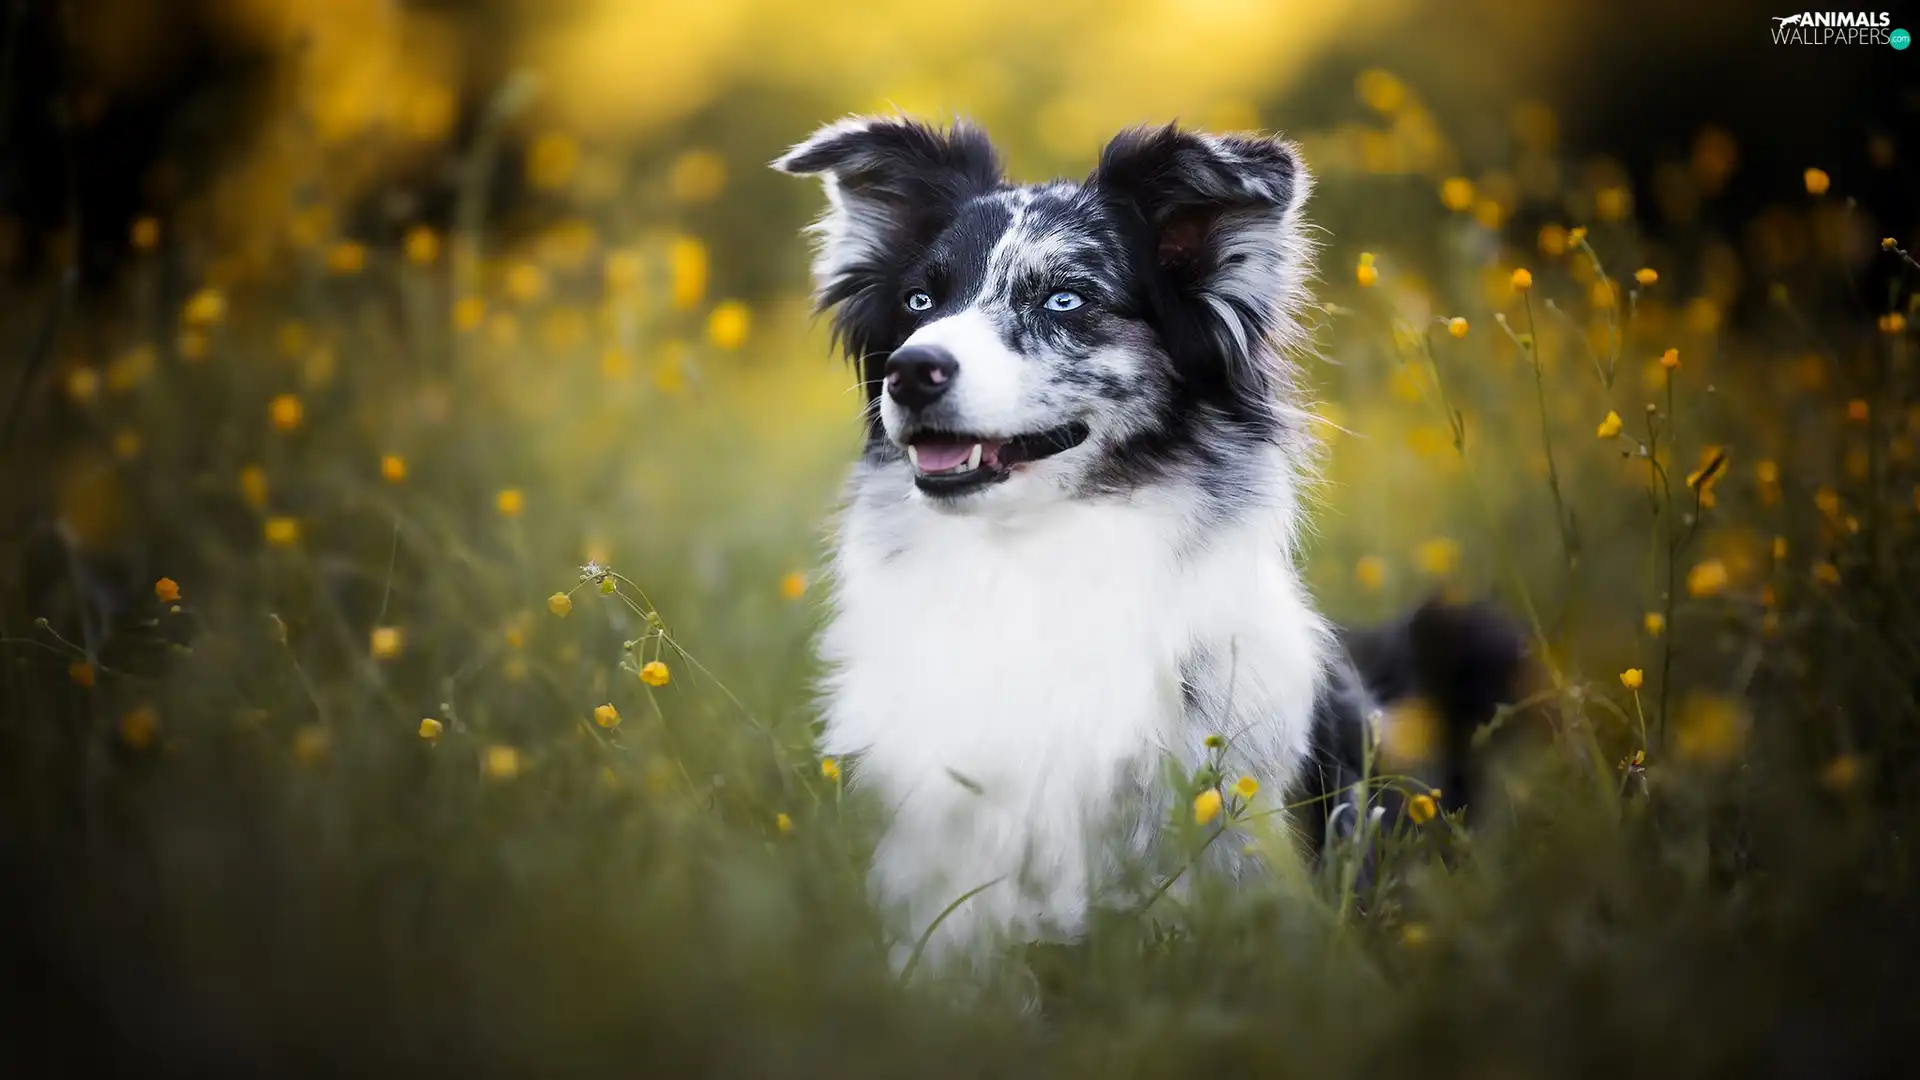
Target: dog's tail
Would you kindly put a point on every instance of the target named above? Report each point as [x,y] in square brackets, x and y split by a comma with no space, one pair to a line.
[1410,695]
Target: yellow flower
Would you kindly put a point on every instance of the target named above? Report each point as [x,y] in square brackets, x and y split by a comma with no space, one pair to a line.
[1610,425]
[1409,731]
[81,673]
[783,823]
[138,727]
[311,744]
[204,308]
[1246,787]
[281,532]
[794,585]
[1206,806]
[1828,500]
[510,502]
[1522,280]
[1779,548]
[1817,182]
[1710,729]
[1576,236]
[1214,742]
[1707,578]
[1826,573]
[286,412]
[606,715]
[253,485]
[609,585]
[1646,275]
[83,385]
[1892,322]
[687,259]
[430,728]
[1439,556]
[501,762]
[1888,243]
[1553,239]
[393,468]
[347,257]
[423,245]
[1370,572]
[830,769]
[1456,194]
[167,589]
[727,325]
[1655,623]
[655,673]
[468,313]
[1858,411]
[526,282]
[1670,359]
[1457,326]
[1632,678]
[1366,275]
[146,234]
[560,604]
[387,642]
[1422,809]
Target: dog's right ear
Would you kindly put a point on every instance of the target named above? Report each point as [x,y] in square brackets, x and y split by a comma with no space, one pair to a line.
[892,185]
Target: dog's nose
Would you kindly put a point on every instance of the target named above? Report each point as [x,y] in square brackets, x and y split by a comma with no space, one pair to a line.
[917,376]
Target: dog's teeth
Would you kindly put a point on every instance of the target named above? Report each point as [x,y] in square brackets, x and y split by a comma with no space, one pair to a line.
[913,455]
[973,459]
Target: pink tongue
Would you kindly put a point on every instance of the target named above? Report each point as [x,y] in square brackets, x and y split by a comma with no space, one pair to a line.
[939,457]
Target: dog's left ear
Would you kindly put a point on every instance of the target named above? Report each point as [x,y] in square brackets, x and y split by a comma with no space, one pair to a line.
[1225,212]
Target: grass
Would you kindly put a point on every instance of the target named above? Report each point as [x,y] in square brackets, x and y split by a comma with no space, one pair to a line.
[368,469]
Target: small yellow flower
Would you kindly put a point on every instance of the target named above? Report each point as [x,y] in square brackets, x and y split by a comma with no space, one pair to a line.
[146,234]
[1457,326]
[253,485]
[1366,275]
[1576,236]
[286,412]
[560,604]
[468,313]
[430,728]
[830,769]
[167,589]
[1456,194]
[1707,578]
[1646,275]
[1670,359]
[423,245]
[1206,806]
[655,673]
[311,744]
[205,308]
[510,502]
[1409,732]
[346,258]
[794,585]
[1632,678]
[1522,280]
[1828,500]
[1214,742]
[1422,809]
[1858,411]
[1888,243]
[83,385]
[728,324]
[387,642]
[1779,548]
[1710,729]
[501,762]
[81,673]
[609,585]
[1246,787]
[1439,556]
[1655,623]
[1892,323]
[687,264]
[281,532]
[139,726]
[1610,425]
[393,468]
[1826,573]
[526,282]
[783,823]
[1817,181]
[1370,572]
[606,715]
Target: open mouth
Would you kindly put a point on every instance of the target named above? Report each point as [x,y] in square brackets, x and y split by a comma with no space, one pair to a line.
[945,463]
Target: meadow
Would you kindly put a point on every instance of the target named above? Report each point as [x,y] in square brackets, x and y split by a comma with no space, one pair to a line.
[407,608]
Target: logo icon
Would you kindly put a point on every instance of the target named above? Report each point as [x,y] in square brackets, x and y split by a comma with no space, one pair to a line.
[1899,39]
[1790,20]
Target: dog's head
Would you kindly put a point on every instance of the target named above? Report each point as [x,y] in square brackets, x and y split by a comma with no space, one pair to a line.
[1058,339]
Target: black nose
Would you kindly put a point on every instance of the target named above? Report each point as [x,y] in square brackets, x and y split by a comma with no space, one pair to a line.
[917,376]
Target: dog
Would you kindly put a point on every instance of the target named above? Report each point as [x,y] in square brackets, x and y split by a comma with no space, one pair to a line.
[1069,553]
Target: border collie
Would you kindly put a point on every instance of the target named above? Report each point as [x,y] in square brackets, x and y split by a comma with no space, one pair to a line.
[1069,552]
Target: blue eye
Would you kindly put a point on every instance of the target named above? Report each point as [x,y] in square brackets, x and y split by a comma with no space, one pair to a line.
[1064,300]
[919,300]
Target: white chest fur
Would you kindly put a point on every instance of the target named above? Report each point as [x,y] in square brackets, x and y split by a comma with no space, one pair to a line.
[1007,685]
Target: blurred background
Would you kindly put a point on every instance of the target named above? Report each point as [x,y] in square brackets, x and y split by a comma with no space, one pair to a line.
[340,333]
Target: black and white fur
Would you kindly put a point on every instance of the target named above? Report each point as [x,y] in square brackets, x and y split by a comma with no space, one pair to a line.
[1069,550]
